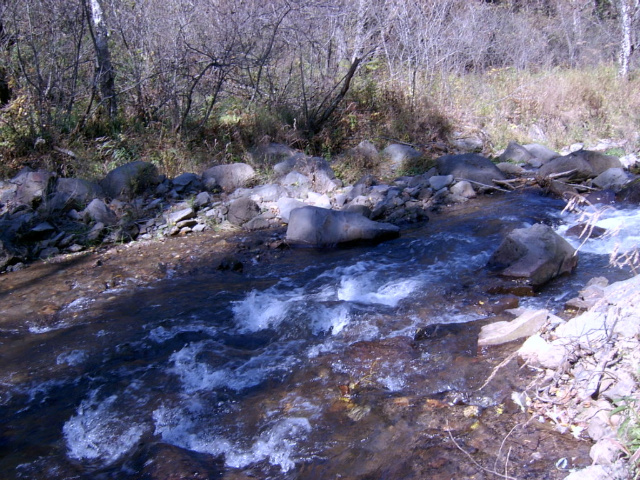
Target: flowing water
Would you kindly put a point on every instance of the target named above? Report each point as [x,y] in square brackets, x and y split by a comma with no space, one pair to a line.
[309,367]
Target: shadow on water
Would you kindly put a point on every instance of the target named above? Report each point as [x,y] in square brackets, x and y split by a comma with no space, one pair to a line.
[308,367]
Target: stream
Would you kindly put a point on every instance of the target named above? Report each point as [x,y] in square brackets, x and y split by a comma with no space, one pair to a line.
[320,364]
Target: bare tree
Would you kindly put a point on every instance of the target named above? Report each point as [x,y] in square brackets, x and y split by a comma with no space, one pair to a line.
[105,75]
[629,10]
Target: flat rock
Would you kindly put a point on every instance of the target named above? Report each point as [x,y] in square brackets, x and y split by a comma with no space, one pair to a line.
[502,332]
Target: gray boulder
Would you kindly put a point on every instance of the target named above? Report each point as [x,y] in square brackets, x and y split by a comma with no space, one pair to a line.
[323,179]
[541,154]
[400,155]
[130,179]
[242,210]
[612,179]
[320,227]
[583,164]
[471,167]
[187,183]
[286,206]
[516,153]
[536,254]
[74,193]
[228,177]
[32,187]
[271,153]
[97,211]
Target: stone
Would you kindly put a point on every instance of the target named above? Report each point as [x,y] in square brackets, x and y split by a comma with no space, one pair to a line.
[612,178]
[606,451]
[540,153]
[594,472]
[399,155]
[180,215]
[242,210]
[32,187]
[202,200]
[440,181]
[295,179]
[271,153]
[187,183]
[515,153]
[463,189]
[511,169]
[525,325]
[471,167]
[537,352]
[536,254]
[574,166]
[130,179]
[97,211]
[228,177]
[468,143]
[77,193]
[286,205]
[319,227]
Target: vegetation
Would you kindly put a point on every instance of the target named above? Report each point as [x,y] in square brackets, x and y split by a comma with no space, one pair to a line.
[89,84]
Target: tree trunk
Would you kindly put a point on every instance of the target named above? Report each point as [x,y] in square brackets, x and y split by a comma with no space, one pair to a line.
[628,10]
[105,75]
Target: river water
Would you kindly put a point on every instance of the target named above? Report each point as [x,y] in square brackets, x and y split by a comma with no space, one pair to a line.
[308,367]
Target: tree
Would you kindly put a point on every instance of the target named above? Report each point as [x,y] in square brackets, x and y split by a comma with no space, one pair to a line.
[628,12]
[104,74]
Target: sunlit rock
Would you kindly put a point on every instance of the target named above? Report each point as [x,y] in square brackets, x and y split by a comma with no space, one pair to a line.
[314,226]
[536,254]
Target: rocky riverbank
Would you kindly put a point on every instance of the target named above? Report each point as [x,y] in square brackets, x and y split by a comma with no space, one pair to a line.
[136,227]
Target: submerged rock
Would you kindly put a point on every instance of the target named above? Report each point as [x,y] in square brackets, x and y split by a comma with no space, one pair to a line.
[320,227]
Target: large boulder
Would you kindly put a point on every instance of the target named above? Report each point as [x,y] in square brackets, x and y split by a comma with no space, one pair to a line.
[471,167]
[321,227]
[242,210]
[400,156]
[540,153]
[536,254]
[516,153]
[74,193]
[130,179]
[32,187]
[582,164]
[228,177]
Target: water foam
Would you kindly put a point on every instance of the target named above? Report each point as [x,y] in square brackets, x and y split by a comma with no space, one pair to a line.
[98,432]
[237,375]
[72,358]
[278,443]
[621,225]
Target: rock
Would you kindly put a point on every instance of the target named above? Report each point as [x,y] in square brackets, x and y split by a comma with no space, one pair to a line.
[463,189]
[594,472]
[399,156]
[612,178]
[77,193]
[440,181]
[96,233]
[537,352]
[468,143]
[606,451]
[471,167]
[174,218]
[32,187]
[271,153]
[202,200]
[319,200]
[619,314]
[313,226]
[228,177]
[584,164]
[574,166]
[511,169]
[187,183]
[323,179]
[242,210]
[130,179]
[97,211]
[259,222]
[515,153]
[630,193]
[502,332]
[295,179]
[286,205]
[541,154]
[536,254]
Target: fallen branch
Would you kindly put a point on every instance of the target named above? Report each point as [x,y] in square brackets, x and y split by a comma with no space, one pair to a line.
[473,460]
[491,187]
